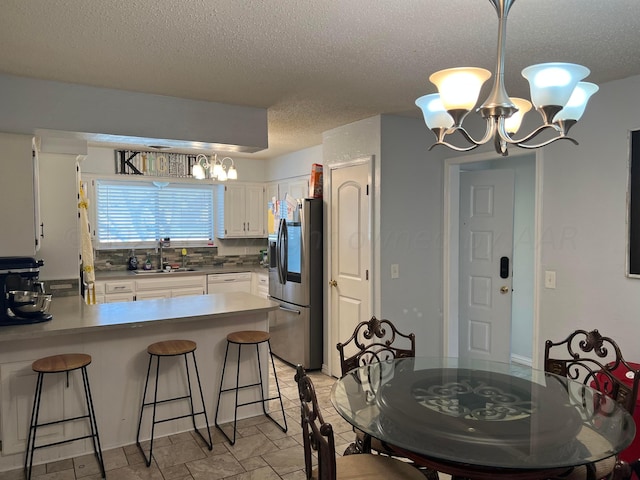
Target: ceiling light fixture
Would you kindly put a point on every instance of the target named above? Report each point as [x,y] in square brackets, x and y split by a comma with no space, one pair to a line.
[557,93]
[216,168]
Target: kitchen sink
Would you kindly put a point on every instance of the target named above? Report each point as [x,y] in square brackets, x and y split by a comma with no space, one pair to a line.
[173,270]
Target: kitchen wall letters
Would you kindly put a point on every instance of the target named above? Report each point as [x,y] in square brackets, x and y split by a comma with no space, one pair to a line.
[157,164]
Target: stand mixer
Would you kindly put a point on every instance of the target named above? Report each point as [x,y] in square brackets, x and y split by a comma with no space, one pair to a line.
[22,297]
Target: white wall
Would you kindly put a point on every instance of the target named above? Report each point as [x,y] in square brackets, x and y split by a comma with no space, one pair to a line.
[101,160]
[584,223]
[294,164]
[31,104]
[411,216]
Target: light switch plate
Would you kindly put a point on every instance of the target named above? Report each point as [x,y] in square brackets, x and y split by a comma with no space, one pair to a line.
[395,270]
[549,279]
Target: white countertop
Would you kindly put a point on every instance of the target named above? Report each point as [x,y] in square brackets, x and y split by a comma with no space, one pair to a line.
[71,315]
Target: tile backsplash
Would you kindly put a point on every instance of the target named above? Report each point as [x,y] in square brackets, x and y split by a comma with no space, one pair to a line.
[114,260]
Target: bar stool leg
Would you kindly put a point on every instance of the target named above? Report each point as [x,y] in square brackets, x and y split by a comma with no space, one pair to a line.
[220,391]
[31,440]
[275,376]
[144,397]
[92,421]
[204,410]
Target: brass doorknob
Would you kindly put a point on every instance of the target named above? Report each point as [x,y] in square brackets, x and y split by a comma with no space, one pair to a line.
[504,289]
[333,283]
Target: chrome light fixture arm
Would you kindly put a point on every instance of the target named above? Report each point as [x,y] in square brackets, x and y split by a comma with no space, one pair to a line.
[556,90]
[441,133]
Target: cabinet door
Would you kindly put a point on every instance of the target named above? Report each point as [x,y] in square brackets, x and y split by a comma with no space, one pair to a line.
[17,187]
[183,292]
[254,214]
[234,211]
[271,192]
[151,294]
[119,297]
[18,386]
[299,188]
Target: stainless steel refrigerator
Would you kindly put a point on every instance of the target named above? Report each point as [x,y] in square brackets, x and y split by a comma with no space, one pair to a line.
[296,281]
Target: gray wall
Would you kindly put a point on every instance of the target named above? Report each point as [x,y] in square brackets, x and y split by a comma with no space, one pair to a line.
[584,223]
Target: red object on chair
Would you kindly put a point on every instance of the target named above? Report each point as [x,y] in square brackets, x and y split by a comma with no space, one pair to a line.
[632,452]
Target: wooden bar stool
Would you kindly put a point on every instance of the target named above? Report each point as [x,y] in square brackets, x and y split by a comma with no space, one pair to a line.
[64,363]
[172,348]
[249,337]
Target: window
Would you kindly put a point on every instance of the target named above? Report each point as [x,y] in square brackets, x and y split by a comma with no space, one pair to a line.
[135,214]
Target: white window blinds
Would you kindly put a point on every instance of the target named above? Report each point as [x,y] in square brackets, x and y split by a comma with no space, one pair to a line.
[139,213]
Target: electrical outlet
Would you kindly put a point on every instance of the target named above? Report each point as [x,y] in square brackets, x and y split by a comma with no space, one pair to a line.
[395,270]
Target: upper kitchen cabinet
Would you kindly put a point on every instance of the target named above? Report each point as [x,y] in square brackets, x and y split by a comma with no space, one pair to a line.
[297,187]
[20,215]
[241,211]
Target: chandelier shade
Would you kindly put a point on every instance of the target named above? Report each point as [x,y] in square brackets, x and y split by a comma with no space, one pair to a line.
[553,83]
[577,102]
[557,93]
[459,87]
[433,111]
[512,123]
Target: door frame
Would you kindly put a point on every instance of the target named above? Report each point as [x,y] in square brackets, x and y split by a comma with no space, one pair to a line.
[451,203]
[374,282]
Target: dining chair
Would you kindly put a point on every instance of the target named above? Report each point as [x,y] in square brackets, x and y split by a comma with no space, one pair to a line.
[372,341]
[318,436]
[596,361]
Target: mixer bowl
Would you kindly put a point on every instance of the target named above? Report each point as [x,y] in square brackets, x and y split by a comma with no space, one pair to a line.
[22,297]
[28,304]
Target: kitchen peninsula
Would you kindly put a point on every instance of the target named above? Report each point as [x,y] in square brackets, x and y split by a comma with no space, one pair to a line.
[116,335]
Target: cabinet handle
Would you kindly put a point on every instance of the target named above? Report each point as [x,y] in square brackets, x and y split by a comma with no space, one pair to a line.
[42,230]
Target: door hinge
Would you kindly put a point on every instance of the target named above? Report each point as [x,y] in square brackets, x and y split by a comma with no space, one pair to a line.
[366,274]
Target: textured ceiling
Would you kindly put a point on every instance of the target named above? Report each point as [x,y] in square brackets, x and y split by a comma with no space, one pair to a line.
[315,64]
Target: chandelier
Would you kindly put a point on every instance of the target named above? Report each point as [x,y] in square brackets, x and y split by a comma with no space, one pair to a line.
[557,93]
[216,168]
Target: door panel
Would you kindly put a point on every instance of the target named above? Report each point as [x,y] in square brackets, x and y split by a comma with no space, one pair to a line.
[486,235]
[350,253]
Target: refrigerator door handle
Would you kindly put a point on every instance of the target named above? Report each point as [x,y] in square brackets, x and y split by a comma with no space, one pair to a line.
[285,251]
[279,252]
[291,310]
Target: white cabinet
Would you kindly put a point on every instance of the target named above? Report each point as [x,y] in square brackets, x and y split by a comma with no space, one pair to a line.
[241,211]
[18,182]
[111,291]
[18,385]
[260,284]
[169,286]
[296,187]
[229,282]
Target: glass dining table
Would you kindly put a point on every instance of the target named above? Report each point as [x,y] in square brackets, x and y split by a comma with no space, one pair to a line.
[479,420]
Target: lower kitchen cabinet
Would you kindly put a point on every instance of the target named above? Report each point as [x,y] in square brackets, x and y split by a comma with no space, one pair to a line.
[166,286]
[229,282]
[18,387]
[260,285]
[170,286]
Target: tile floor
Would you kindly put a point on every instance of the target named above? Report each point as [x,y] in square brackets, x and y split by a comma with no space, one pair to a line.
[261,452]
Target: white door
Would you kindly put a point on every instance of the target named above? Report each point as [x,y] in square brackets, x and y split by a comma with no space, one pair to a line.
[486,256]
[350,251]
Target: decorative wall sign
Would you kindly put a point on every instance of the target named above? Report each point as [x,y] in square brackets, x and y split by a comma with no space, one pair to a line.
[156,164]
[634,206]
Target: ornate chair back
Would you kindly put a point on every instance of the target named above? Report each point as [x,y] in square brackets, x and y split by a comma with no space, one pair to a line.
[374,341]
[317,435]
[592,359]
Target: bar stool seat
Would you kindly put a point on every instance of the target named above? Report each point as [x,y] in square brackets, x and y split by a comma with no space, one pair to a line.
[242,338]
[63,363]
[172,348]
